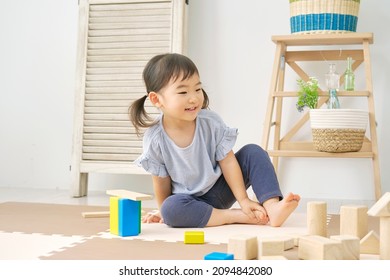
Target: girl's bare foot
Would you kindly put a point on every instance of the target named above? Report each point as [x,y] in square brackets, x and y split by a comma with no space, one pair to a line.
[279,211]
[235,216]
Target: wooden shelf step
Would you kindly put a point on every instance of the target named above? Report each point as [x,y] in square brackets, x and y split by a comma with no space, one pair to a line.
[323,39]
[288,153]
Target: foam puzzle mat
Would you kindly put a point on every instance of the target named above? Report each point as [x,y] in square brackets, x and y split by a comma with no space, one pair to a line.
[56,232]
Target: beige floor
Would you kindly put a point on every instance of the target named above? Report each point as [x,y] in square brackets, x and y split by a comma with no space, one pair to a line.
[14,244]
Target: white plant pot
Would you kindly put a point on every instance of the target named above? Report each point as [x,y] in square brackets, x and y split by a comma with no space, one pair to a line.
[338,130]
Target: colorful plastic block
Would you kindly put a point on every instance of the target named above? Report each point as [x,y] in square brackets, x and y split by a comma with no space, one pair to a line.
[114,215]
[219,256]
[193,237]
[129,217]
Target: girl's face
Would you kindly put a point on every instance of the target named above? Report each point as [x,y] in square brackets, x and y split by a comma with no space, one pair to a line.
[180,100]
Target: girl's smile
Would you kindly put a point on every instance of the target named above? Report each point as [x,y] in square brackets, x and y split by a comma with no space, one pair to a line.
[191,109]
[180,101]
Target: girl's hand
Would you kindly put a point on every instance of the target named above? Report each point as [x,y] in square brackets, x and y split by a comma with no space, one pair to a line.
[254,210]
[152,217]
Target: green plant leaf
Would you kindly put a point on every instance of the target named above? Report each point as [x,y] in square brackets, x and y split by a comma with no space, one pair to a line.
[307,94]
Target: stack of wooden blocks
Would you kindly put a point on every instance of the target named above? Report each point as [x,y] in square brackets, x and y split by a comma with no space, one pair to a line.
[353,240]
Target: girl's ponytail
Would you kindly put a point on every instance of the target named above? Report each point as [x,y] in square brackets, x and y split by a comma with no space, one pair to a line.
[138,115]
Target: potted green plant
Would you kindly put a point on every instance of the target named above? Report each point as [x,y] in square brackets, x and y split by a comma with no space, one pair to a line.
[307,94]
[333,130]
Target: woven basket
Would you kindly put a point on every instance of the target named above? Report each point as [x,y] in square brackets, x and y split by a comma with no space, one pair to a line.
[323,16]
[338,130]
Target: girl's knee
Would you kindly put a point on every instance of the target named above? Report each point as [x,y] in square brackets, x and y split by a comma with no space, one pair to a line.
[169,208]
[255,150]
[173,210]
[182,210]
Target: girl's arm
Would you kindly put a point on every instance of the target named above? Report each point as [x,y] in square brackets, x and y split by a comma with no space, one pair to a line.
[233,175]
[162,189]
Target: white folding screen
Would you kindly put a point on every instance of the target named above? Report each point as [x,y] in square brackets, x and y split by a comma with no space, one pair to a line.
[115,41]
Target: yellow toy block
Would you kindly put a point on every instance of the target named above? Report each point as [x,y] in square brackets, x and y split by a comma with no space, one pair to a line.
[114,215]
[193,237]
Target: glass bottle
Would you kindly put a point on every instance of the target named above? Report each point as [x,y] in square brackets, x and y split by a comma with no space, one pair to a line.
[333,101]
[333,84]
[349,76]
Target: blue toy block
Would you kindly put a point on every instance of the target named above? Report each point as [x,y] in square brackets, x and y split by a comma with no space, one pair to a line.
[129,217]
[219,256]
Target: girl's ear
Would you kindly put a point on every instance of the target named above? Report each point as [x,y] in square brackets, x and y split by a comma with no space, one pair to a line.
[154,99]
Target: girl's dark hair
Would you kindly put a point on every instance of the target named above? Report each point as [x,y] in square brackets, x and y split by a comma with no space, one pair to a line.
[156,75]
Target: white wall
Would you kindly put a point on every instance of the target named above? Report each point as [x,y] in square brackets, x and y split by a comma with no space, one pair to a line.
[230,42]
[37,63]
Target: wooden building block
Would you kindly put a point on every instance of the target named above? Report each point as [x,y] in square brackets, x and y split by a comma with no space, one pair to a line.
[269,247]
[129,195]
[288,242]
[351,246]
[315,247]
[243,247]
[193,237]
[129,223]
[382,207]
[316,218]
[295,237]
[97,214]
[384,237]
[354,220]
[273,258]
[114,215]
[369,244]
[219,256]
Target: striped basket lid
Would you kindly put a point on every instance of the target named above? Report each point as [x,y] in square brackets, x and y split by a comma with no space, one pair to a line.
[324,16]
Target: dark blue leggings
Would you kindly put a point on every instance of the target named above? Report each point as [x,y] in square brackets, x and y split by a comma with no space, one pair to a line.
[183,210]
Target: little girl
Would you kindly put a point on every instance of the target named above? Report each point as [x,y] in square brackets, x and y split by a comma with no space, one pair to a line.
[188,150]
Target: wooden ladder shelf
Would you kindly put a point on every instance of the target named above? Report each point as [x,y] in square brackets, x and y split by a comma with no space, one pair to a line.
[284,146]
